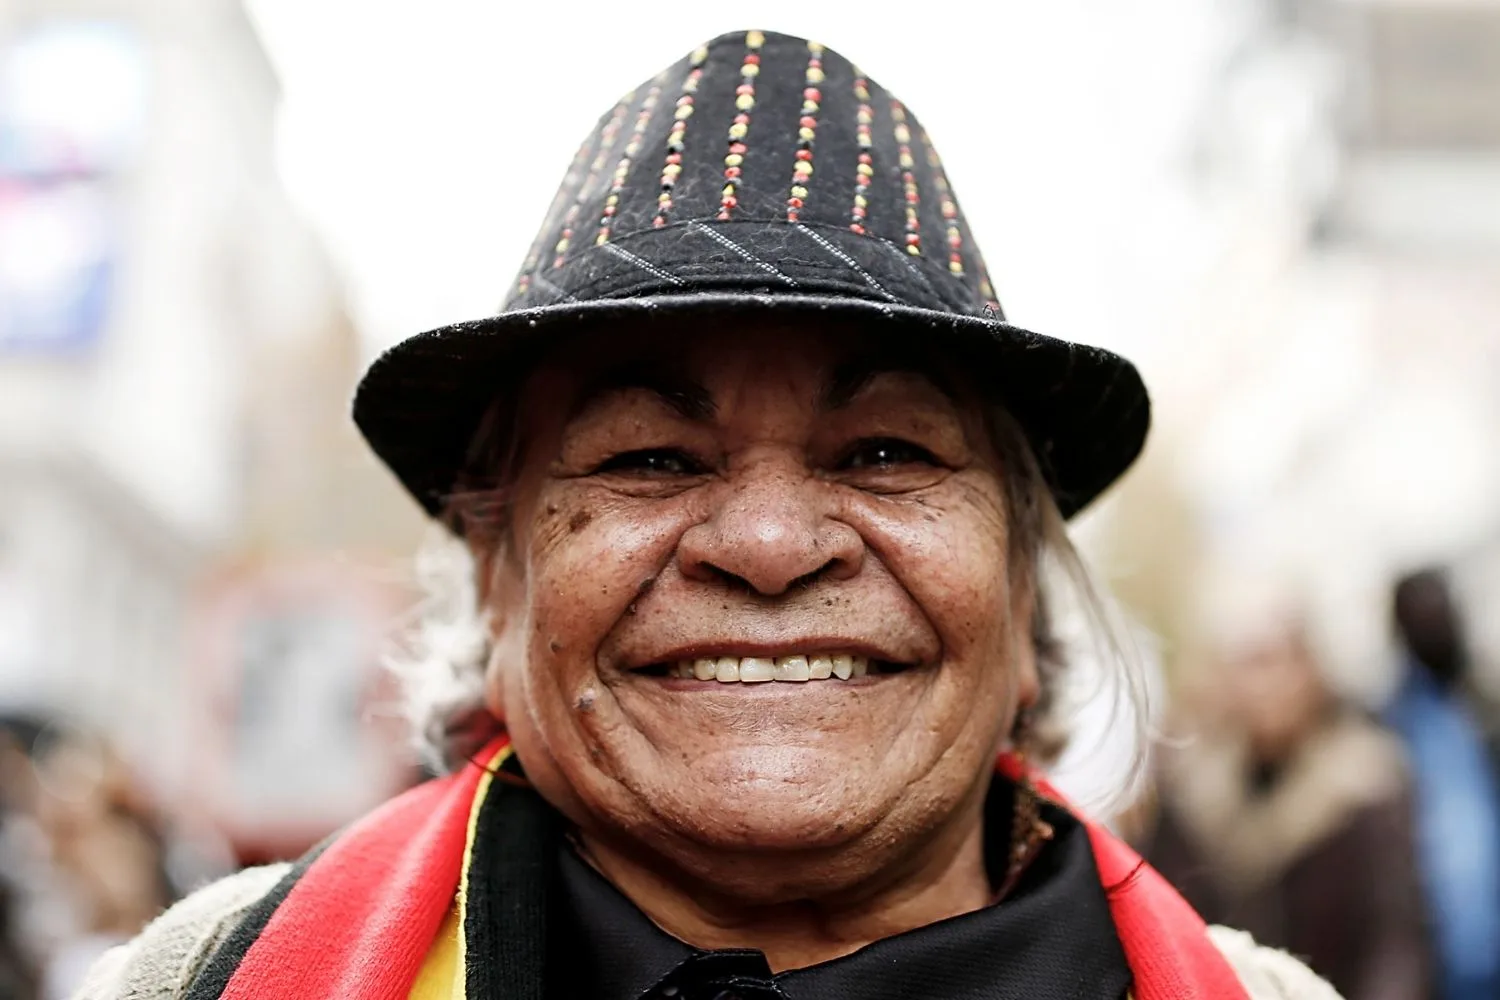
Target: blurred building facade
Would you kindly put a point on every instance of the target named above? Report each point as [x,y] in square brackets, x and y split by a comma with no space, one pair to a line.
[1330,402]
[175,364]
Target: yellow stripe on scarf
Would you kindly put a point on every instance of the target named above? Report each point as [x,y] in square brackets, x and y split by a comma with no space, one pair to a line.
[442,973]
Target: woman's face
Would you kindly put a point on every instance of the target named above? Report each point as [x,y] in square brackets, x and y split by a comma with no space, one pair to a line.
[1275,691]
[745,500]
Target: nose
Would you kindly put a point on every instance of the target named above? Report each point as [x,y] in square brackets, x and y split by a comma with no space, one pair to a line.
[774,529]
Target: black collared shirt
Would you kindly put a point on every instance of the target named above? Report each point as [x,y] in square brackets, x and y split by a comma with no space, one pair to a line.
[1052,938]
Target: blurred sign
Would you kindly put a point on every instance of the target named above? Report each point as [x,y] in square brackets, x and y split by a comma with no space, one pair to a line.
[57,256]
[296,714]
[71,103]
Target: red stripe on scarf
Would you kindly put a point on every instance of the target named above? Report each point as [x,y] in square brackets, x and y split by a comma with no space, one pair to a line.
[1166,943]
[360,921]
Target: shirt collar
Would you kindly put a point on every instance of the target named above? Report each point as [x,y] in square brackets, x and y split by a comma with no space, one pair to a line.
[1054,928]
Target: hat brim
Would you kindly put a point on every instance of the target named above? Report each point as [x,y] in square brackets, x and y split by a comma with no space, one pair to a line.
[1085,410]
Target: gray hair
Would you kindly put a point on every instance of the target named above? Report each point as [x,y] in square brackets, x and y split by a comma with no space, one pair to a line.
[441,662]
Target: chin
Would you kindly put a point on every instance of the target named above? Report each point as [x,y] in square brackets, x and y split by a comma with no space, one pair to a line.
[753,813]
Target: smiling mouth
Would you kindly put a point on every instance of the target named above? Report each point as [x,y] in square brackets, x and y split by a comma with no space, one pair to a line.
[796,669]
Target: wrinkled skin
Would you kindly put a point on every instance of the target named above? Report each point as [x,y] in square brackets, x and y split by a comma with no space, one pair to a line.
[773,519]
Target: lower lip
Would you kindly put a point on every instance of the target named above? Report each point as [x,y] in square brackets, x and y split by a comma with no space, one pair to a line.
[773,687]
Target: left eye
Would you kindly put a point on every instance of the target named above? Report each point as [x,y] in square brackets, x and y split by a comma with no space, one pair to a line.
[882,452]
[658,461]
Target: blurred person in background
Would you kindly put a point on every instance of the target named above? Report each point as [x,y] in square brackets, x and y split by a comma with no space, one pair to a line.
[1457,804]
[107,850]
[19,961]
[81,856]
[1288,812]
[739,663]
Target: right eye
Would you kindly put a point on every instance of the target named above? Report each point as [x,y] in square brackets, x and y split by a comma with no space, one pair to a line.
[653,461]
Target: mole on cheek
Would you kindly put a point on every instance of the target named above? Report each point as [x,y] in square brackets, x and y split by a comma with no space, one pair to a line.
[585,702]
[645,586]
[579,521]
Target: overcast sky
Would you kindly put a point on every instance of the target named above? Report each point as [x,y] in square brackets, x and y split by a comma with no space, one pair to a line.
[425,140]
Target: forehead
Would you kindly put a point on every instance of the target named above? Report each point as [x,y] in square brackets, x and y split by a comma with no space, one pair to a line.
[834,359]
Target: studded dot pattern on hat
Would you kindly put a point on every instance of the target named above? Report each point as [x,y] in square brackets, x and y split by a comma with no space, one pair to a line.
[606,143]
[739,129]
[865,168]
[533,256]
[622,169]
[948,207]
[807,131]
[684,110]
[908,179]
[834,201]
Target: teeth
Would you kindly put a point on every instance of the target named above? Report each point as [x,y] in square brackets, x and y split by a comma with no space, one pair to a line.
[754,669]
[792,668]
[797,668]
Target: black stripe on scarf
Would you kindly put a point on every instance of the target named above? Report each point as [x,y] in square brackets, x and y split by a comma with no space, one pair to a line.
[511,871]
[213,979]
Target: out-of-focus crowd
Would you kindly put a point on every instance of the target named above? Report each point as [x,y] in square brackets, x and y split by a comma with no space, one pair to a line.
[1367,843]
[85,860]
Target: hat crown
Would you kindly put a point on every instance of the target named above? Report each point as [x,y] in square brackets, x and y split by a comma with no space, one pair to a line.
[756,128]
[760,172]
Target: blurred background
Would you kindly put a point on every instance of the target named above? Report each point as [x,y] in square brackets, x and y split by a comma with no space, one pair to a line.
[213,213]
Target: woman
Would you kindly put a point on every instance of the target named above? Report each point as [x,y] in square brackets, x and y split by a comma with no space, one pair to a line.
[754,484]
[1289,815]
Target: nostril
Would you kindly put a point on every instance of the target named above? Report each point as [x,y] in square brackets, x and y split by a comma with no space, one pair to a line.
[744,547]
[731,581]
[808,579]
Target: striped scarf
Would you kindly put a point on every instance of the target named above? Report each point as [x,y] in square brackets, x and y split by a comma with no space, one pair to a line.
[359,915]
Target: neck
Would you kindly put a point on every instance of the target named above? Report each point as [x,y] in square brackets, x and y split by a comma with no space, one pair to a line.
[947,879]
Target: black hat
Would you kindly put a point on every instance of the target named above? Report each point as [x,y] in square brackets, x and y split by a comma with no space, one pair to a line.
[761,171]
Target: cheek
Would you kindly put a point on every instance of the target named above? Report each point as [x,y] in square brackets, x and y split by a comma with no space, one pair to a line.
[949,550]
[590,558]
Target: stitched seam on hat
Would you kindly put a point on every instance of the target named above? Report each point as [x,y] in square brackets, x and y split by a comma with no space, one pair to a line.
[911,265]
[607,132]
[840,290]
[562,295]
[725,241]
[617,289]
[850,261]
[644,265]
[585,289]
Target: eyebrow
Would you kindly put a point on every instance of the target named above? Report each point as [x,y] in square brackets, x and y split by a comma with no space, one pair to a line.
[692,401]
[850,379]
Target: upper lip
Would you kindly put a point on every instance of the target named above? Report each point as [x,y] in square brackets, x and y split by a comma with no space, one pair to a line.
[715,648]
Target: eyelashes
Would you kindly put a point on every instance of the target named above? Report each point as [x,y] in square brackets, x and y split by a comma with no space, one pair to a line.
[884,453]
[654,462]
[867,454]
